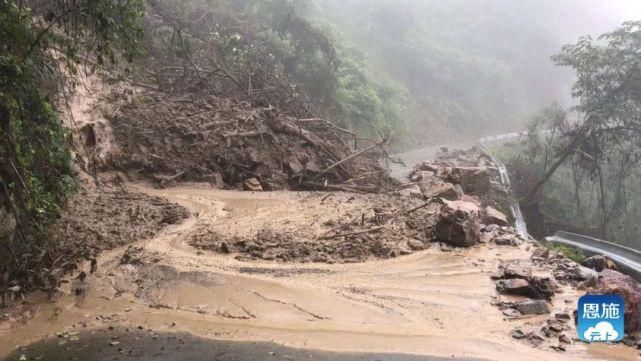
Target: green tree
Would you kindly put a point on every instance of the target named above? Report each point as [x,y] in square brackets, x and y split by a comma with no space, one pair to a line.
[40,43]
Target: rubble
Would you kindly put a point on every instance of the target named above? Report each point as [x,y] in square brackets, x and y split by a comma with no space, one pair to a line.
[532,307]
[613,282]
[206,138]
[459,224]
[599,263]
[493,216]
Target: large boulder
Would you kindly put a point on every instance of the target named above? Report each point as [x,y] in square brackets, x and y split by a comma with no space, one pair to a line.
[493,216]
[613,282]
[459,224]
[443,190]
[474,180]
[599,263]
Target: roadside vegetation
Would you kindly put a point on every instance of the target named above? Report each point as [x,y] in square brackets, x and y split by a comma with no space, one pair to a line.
[580,168]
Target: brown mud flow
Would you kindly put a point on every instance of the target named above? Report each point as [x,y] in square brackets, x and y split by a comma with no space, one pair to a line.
[433,302]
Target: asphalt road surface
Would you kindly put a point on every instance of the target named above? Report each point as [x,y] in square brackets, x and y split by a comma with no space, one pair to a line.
[142,346]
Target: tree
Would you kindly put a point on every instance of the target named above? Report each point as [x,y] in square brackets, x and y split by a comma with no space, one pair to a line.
[608,87]
[42,41]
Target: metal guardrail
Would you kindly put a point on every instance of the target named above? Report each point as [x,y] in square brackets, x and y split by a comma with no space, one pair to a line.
[627,259]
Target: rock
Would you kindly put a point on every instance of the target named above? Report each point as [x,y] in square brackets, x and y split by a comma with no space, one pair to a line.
[216,179]
[518,334]
[613,282]
[412,191]
[507,240]
[415,244]
[459,224]
[577,273]
[445,247]
[556,326]
[252,184]
[474,180]
[441,190]
[535,339]
[514,286]
[563,338]
[628,341]
[493,216]
[541,288]
[563,316]
[428,167]
[558,348]
[541,253]
[510,312]
[514,270]
[532,307]
[599,263]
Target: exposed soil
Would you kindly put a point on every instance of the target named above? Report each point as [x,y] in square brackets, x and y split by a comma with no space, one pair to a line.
[109,217]
[339,228]
[228,142]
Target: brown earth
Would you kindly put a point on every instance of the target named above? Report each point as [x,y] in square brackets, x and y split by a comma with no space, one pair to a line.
[332,228]
[230,142]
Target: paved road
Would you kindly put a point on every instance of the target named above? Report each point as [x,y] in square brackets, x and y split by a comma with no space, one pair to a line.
[143,346]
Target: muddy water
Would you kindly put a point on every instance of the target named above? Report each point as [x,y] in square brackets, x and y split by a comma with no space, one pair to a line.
[430,303]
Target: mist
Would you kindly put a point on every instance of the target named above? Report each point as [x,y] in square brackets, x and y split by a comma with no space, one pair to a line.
[465,67]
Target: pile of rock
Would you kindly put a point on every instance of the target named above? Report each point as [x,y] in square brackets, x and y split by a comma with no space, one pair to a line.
[555,329]
[514,279]
[466,182]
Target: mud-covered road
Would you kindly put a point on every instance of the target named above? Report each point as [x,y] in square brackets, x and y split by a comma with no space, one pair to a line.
[432,302]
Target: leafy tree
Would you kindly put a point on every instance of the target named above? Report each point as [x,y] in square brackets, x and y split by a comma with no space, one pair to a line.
[40,42]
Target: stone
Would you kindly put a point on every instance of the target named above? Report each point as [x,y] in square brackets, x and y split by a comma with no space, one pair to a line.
[515,270]
[532,307]
[563,338]
[599,263]
[518,334]
[563,316]
[507,240]
[459,224]
[613,282]
[415,244]
[252,184]
[541,288]
[494,216]
[440,190]
[541,253]
[514,286]
[511,312]
[474,180]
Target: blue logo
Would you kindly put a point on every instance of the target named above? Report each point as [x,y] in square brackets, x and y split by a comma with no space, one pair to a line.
[601,318]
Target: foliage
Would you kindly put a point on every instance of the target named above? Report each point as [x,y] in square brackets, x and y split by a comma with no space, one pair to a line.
[267,50]
[581,167]
[40,41]
[574,254]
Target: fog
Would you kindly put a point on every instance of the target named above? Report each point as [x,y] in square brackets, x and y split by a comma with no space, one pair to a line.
[470,65]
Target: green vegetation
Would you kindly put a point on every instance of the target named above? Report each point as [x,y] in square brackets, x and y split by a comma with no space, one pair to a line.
[580,168]
[40,42]
[572,253]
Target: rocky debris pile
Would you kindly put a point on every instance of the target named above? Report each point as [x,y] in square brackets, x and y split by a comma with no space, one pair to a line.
[391,227]
[469,185]
[108,217]
[613,282]
[500,235]
[514,279]
[462,175]
[237,144]
[599,263]
[555,332]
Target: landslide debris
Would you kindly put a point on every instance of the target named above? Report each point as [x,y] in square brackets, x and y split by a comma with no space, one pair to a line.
[350,230]
[242,145]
